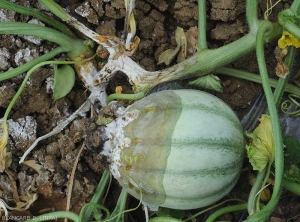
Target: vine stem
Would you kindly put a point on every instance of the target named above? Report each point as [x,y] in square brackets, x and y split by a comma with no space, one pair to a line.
[87,214]
[37,14]
[251,15]
[55,215]
[255,188]
[21,88]
[257,78]
[202,43]
[263,215]
[225,210]
[20,69]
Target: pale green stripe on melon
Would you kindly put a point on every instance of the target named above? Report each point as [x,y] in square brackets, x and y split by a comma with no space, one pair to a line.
[216,144]
[206,102]
[215,110]
[199,198]
[213,172]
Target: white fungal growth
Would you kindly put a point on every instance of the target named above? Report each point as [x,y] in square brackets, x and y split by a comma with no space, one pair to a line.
[117,141]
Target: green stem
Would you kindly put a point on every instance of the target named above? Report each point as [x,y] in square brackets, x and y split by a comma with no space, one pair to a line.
[76,48]
[285,19]
[55,215]
[19,28]
[203,62]
[255,78]
[55,9]
[121,96]
[278,145]
[37,14]
[119,210]
[212,207]
[266,177]
[202,44]
[295,7]
[20,69]
[251,15]
[291,186]
[254,190]
[164,219]
[225,210]
[88,214]
[29,73]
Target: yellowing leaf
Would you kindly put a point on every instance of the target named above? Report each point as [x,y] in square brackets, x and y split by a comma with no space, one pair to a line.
[260,151]
[5,157]
[168,55]
[33,165]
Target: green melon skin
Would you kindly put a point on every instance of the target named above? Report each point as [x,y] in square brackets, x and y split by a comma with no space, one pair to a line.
[184,149]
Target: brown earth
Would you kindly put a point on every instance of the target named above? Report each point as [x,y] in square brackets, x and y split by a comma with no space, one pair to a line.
[37,113]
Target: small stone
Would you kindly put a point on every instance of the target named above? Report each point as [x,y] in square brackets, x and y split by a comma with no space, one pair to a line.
[86,11]
[25,55]
[4,59]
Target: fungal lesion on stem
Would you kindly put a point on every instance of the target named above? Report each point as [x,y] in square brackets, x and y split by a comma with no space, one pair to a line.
[203,62]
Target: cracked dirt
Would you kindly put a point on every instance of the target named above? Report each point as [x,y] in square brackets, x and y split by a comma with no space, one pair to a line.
[37,113]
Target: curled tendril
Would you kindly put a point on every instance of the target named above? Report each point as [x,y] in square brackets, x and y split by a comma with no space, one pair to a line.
[287,105]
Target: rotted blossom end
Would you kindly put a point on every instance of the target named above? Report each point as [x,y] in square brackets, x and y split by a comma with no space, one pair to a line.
[117,141]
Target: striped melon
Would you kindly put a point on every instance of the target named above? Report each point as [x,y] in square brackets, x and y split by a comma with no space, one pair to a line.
[180,149]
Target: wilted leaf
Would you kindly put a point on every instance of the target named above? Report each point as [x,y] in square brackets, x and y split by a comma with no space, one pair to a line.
[168,55]
[64,79]
[28,198]
[260,151]
[282,70]
[27,201]
[183,46]
[33,165]
[191,38]
[5,156]
[211,82]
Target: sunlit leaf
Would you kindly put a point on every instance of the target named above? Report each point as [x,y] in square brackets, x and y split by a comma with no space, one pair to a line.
[64,79]
[208,82]
[260,150]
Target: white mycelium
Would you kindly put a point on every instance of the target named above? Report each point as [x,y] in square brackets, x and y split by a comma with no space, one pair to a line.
[117,141]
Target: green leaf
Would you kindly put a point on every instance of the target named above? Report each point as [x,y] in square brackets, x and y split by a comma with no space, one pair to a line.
[292,159]
[64,79]
[211,82]
[260,150]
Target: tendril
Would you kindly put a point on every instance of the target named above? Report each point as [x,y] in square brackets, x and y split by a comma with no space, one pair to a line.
[287,105]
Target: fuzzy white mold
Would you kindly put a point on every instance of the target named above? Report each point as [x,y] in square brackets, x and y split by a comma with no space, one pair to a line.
[117,140]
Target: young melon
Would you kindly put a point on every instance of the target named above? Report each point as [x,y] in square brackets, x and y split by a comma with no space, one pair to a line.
[180,149]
